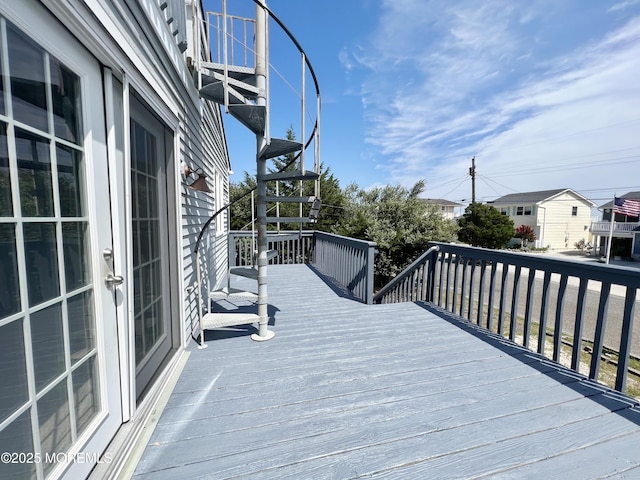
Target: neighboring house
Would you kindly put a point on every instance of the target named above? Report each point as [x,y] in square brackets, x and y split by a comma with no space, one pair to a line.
[626,231]
[558,217]
[446,207]
[98,110]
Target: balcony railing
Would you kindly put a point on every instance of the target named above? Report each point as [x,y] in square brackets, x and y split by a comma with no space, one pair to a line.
[346,261]
[618,227]
[585,309]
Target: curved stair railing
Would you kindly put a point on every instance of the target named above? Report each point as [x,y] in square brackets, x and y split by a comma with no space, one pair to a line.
[240,82]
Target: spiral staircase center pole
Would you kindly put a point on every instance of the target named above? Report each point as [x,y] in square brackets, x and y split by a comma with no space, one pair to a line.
[261,142]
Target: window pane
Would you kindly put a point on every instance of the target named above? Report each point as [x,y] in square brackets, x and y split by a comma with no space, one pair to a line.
[55,424]
[6,205]
[151,156]
[148,332]
[142,194]
[139,160]
[42,261]
[76,266]
[10,287]
[86,393]
[28,87]
[48,345]
[13,371]
[65,93]
[17,437]
[70,181]
[139,328]
[34,173]
[81,325]
[143,242]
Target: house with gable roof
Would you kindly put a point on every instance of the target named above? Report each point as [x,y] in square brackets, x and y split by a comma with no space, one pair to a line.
[446,207]
[558,217]
[625,236]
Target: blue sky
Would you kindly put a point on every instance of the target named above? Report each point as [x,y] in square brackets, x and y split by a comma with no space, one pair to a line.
[544,93]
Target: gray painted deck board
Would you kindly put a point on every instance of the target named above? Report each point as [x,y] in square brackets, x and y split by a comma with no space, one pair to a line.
[347,390]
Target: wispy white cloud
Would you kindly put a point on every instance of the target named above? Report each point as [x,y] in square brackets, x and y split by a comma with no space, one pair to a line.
[515,86]
[623,5]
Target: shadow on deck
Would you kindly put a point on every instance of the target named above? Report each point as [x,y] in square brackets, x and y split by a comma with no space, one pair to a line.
[347,390]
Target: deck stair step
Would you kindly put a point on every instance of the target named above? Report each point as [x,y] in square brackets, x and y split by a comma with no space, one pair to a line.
[270,254]
[235,71]
[215,93]
[290,220]
[292,175]
[251,116]
[219,320]
[283,237]
[231,294]
[248,272]
[284,199]
[213,86]
[278,147]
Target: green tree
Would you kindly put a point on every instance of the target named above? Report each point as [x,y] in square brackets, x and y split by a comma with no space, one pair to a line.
[398,221]
[484,226]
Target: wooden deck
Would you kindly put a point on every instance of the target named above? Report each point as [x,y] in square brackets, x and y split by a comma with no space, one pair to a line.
[347,390]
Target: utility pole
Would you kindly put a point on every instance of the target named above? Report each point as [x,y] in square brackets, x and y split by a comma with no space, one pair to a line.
[472,172]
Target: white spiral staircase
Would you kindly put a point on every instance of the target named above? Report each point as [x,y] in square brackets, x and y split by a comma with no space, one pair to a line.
[239,78]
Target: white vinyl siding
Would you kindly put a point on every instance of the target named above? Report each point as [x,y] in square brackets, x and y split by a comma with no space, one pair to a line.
[560,227]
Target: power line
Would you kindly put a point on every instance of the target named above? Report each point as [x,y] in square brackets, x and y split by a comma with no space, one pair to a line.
[488,185]
[455,188]
[497,183]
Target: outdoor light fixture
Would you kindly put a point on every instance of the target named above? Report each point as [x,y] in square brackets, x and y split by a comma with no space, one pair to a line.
[200,183]
[315,209]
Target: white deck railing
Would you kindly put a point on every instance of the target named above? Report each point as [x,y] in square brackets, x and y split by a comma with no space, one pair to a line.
[618,227]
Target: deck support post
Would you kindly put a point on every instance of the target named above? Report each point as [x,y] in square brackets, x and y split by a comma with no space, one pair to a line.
[262,141]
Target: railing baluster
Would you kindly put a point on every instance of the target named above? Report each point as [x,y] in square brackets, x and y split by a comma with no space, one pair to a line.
[442,261]
[492,294]
[432,276]
[483,272]
[529,307]
[544,311]
[514,304]
[472,283]
[578,326]
[425,272]
[448,281]
[601,322]
[463,289]
[625,342]
[557,329]
[503,298]
[414,286]
[455,284]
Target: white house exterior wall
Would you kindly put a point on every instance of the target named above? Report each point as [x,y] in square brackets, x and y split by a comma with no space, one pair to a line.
[559,229]
[138,54]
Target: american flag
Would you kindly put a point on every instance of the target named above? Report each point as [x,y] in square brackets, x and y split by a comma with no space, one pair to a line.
[626,207]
